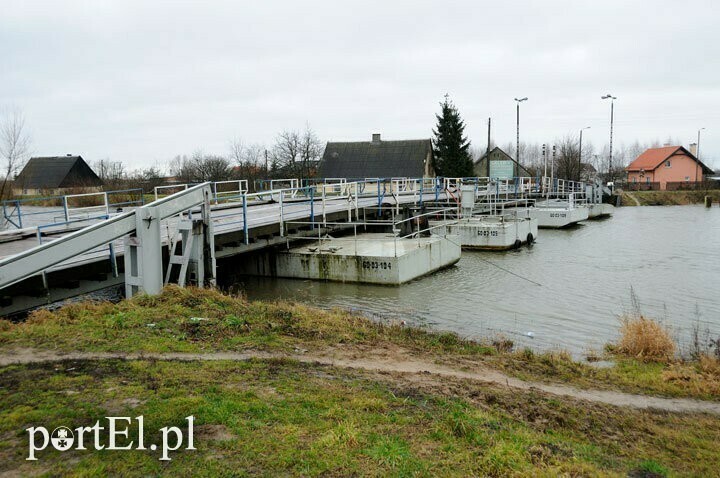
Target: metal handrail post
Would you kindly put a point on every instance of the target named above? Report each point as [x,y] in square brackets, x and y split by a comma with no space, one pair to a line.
[281,214]
[245,220]
[19,210]
[312,205]
[378,193]
[65,208]
[113,260]
[356,200]
[323,205]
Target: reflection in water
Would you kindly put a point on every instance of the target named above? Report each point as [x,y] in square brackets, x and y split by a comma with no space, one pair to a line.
[669,255]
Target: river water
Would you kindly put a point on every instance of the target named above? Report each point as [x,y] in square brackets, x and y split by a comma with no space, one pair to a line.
[566,291]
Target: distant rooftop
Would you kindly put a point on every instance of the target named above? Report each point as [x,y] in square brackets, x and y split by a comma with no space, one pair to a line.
[52,172]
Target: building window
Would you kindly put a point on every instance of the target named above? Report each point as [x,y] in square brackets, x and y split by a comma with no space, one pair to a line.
[634,179]
[667,163]
[647,179]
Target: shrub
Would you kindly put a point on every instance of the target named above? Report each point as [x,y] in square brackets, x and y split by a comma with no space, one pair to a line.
[645,339]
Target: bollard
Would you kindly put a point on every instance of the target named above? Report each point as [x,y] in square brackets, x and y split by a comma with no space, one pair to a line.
[708,201]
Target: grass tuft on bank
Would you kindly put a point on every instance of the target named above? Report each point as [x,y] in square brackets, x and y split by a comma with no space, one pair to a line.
[645,339]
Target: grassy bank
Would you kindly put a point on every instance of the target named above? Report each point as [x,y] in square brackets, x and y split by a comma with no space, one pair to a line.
[278,416]
[192,320]
[668,198]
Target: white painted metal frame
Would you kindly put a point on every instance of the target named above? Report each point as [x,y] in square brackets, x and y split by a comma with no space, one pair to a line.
[145,221]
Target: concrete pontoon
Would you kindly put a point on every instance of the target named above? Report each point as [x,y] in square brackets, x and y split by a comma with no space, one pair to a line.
[559,213]
[375,258]
[500,230]
[600,210]
[497,232]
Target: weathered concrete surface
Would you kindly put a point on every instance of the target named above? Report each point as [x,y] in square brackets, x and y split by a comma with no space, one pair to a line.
[492,232]
[374,258]
[556,215]
[600,210]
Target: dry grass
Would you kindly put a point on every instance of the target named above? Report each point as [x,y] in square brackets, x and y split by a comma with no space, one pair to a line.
[701,378]
[710,365]
[645,339]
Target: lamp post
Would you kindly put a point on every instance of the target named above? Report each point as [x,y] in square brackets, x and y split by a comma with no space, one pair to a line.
[697,155]
[612,108]
[517,148]
[579,176]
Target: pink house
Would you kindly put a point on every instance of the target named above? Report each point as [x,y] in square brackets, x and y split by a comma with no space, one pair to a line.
[669,164]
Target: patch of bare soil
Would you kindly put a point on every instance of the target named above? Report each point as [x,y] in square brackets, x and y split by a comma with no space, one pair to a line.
[396,360]
[206,433]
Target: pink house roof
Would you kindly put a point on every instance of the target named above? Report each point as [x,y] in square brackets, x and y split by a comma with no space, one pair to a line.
[654,157]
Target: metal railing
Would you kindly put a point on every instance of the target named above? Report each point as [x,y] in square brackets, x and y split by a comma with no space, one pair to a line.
[319,199]
[111,227]
[31,212]
[360,226]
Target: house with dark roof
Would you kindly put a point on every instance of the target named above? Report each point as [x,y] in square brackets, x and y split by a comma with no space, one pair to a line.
[377,159]
[56,175]
[665,167]
[588,172]
[497,164]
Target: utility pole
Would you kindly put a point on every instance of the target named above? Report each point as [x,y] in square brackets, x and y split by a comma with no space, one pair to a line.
[579,176]
[517,129]
[697,152]
[552,170]
[488,143]
[612,112]
[544,154]
[266,163]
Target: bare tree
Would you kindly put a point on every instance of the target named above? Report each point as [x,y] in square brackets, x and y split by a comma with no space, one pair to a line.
[183,169]
[311,152]
[147,178]
[210,167]
[14,145]
[248,158]
[112,173]
[567,160]
[286,152]
[254,154]
[237,151]
[296,153]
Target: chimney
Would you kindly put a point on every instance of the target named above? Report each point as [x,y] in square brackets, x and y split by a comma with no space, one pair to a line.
[693,149]
[376,138]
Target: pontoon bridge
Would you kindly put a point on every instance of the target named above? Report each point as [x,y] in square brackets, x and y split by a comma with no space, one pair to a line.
[60,247]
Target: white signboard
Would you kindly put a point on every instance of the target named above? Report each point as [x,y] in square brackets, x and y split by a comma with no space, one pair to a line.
[502,169]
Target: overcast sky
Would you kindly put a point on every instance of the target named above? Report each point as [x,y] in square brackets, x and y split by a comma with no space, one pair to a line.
[143,81]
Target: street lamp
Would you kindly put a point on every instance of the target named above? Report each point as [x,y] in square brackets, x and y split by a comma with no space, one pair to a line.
[580,154]
[517,148]
[697,155]
[612,107]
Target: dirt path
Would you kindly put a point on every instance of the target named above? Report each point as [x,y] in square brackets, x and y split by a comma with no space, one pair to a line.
[386,360]
[632,196]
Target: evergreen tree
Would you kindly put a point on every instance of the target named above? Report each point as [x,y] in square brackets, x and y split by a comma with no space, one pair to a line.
[450,147]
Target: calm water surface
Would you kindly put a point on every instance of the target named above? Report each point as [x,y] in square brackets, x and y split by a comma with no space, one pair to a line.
[670,255]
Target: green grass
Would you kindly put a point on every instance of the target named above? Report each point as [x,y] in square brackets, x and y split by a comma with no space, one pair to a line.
[192,320]
[275,417]
[669,198]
